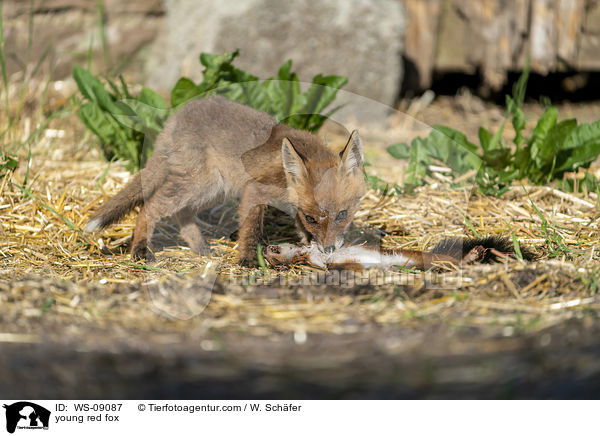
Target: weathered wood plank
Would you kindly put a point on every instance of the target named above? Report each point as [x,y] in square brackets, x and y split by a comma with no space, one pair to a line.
[569,23]
[499,36]
[421,41]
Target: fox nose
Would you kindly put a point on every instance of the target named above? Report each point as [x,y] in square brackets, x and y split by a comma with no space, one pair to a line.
[329,249]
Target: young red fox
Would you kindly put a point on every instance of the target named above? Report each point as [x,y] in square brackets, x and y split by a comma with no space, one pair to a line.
[214,148]
[449,252]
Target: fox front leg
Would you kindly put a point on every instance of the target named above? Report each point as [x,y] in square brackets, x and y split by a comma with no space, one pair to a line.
[251,212]
[305,237]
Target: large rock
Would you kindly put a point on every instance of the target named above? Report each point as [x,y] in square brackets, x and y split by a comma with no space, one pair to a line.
[361,39]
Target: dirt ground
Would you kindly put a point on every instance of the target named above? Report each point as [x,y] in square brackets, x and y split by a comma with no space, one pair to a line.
[78,319]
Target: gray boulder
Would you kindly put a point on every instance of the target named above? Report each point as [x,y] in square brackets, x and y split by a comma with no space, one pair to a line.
[361,39]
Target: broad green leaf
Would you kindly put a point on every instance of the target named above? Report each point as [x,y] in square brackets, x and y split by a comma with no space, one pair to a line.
[152,98]
[143,117]
[521,160]
[288,97]
[455,150]
[91,88]
[498,158]
[96,120]
[587,138]
[485,137]
[285,69]
[183,91]
[458,137]
[416,170]
[554,142]
[399,150]
[580,148]
[216,68]
[582,134]
[319,95]
[440,146]
[537,141]
[86,82]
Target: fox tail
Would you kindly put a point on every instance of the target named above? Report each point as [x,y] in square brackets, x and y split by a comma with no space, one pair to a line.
[132,195]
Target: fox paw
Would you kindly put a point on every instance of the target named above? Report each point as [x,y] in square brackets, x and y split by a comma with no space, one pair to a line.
[248,260]
[142,252]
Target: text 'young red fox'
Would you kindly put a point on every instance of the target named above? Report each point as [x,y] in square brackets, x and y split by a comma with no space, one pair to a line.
[214,148]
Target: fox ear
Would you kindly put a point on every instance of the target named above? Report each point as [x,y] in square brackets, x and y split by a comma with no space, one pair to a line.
[293,161]
[352,154]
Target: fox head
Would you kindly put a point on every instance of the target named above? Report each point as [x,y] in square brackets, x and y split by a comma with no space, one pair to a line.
[326,189]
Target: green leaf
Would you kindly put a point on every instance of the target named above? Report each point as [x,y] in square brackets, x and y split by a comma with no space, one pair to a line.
[152,98]
[143,117]
[220,73]
[376,183]
[418,159]
[124,87]
[521,161]
[537,141]
[458,137]
[582,134]
[284,72]
[518,120]
[548,153]
[580,148]
[118,93]
[498,158]
[495,141]
[485,137]
[86,82]
[289,96]
[399,150]
[95,119]
[183,91]
[7,163]
[453,148]
[92,89]
[319,95]
[521,86]
[516,245]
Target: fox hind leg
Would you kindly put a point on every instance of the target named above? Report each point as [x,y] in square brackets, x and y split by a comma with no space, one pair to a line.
[144,227]
[155,207]
[177,196]
[190,231]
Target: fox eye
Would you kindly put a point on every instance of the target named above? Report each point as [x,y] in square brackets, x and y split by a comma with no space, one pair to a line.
[342,215]
[310,220]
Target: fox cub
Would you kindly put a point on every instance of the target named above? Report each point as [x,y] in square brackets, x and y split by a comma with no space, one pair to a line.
[213,148]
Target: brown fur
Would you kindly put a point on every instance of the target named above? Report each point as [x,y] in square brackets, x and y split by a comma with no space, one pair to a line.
[213,148]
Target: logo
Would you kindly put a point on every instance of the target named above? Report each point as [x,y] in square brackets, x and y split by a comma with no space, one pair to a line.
[26,415]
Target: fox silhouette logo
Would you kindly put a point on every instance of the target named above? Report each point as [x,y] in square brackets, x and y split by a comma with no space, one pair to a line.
[24,414]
